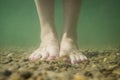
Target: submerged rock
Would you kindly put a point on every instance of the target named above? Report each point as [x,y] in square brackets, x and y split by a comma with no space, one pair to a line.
[15,76]
[79,77]
[6,61]
[102,65]
[6,73]
[26,74]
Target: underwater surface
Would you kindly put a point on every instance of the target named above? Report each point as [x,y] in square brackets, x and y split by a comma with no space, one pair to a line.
[101,65]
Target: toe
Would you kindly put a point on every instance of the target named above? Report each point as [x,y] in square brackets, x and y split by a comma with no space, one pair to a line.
[44,55]
[85,58]
[35,57]
[53,54]
[33,54]
[30,57]
[73,59]
[78,60]
[82,57]
[51,58]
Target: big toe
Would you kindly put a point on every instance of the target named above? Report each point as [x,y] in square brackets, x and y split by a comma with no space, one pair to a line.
[51,58]
[34,57]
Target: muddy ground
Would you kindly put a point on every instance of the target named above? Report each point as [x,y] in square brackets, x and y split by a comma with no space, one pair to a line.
[102,65]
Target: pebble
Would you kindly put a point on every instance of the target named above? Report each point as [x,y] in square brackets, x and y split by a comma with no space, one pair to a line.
[79,77]
[93,66]
[111,67]
[105,59]
[15,76]
[17,67]
[2,78]
[7,61]
[9,55]
[39,78]
[116,71]
[63,69]
[25,59]
[31,79]
[14,68]
[37,73]
[26,74]
[7,73]
[118,54]
[88,74]
[32,67]
[22,69]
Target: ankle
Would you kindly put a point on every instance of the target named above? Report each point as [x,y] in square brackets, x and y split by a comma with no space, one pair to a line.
[49,36]
[69,38]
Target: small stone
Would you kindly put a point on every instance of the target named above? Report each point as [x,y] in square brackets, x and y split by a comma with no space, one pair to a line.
[32,66]
[79,77]
[14,68]
[116,71]
[88,74]
[2,78]
[9,55]
[26,74]
[21,69]
[111,67]
[117,54]
[31,79]
[63,69]
[39,78]
[93,66]
[37,73]
[15,76]
[105,59]
[7,73]
[7,61]
[25,60]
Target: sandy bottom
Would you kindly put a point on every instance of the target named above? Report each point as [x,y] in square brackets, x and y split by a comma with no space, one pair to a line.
[102,65]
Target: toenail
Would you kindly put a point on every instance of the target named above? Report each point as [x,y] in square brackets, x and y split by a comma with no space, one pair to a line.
[79,61]
[51,57]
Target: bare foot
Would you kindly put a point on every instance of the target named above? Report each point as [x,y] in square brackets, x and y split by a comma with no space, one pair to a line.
[48,50]
[69,50]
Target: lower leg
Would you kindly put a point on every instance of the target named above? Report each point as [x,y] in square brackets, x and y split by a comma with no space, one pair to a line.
[71,13]
[49,47]
[45,9]
[69,35]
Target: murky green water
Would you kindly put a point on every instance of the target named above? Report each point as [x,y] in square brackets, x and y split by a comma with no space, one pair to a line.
[99,22]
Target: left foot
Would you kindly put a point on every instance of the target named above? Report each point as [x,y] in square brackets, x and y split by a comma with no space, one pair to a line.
[69,50]
[48,50]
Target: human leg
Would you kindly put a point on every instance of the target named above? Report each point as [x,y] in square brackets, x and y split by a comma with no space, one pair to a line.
[69,46]
[49,47]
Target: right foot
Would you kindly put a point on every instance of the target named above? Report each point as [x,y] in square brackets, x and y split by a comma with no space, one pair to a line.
[48,50]
[69,51]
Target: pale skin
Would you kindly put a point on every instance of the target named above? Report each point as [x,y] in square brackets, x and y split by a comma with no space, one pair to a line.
[50,47]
